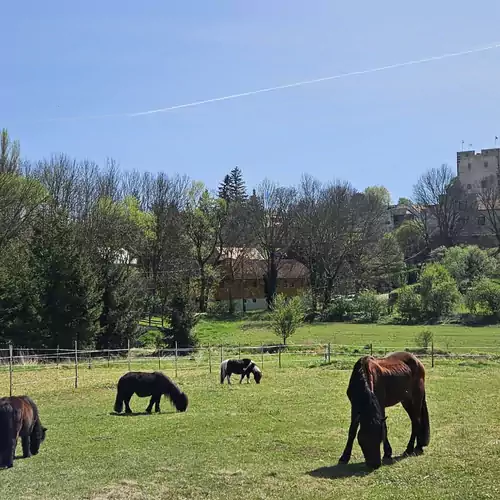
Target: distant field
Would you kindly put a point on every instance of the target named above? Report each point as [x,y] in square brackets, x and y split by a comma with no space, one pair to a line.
[281,439]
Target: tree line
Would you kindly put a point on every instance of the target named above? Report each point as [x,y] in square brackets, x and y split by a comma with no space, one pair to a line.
[87,251]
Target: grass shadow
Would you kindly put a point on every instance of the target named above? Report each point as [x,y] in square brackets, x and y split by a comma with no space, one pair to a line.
[340,471]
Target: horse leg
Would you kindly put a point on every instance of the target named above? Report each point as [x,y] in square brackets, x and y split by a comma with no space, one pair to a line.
[26,441]
[151,403]
[126,400]
[387,445]
[157,404]
[415,422]
[353,428]
[242,377]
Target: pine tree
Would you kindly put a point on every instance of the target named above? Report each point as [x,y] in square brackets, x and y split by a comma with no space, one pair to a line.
[69,295]
[238,190]
[225,189]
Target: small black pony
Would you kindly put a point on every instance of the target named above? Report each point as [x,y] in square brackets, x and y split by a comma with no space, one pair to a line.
[243,367]
[148,384]
[19,417]
[376,384]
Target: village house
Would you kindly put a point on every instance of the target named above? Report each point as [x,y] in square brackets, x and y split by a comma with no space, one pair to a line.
[242,278]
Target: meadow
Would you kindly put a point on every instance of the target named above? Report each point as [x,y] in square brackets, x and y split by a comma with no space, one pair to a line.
[279,439]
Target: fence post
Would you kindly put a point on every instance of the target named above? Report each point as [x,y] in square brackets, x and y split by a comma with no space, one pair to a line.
[90,361]
[239,351]
[221,353]
[159,359]
[109,354]
[326,353]
[176,358]
[279,356]
[371,349]
[128,353]
[76,364]
[57,356]
[329,352]
[432,352]
[209,359]
[11,360]
[262,355]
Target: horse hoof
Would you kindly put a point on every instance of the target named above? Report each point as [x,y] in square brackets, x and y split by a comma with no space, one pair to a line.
[388,460]
[343,461]
[419,451]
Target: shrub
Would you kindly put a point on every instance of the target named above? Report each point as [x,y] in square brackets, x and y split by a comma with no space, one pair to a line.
[467,264]
[409,303]
[370,306]
[218,309]
[485,295]
[182,321]
[438,291]
[286,315]
[338,310]
[424,339]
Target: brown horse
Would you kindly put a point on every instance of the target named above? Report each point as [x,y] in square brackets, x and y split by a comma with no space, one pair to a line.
[376,384]
[19,418]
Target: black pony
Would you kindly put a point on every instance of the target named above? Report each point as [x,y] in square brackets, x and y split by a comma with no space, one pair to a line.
[19,417]
[243,367]
[376,384]
[148,384]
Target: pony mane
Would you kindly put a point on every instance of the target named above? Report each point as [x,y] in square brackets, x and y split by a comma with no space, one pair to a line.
[171,390]
[362,395]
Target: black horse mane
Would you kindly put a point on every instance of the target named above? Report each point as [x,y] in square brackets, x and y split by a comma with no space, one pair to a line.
[170,389]
[361,395]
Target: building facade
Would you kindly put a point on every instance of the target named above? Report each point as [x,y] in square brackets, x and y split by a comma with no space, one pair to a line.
[473,169]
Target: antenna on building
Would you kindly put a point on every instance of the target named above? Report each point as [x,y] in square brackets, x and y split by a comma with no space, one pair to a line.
[462,144]
[496,139]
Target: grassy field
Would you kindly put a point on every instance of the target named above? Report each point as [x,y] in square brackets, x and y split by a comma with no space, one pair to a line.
[281,439]
[254,329]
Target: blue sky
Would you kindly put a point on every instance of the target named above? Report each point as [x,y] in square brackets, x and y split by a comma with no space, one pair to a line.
[79,59]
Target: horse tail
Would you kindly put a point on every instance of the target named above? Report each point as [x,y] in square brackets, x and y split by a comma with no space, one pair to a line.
[425,429]
[223,371]
[118,402]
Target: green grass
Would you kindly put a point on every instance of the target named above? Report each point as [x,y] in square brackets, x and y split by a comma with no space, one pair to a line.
[280,439]
[255,330]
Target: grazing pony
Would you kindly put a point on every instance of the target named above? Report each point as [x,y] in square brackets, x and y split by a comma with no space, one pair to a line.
[19,417]
[148,384]
[376,384]
[243,367]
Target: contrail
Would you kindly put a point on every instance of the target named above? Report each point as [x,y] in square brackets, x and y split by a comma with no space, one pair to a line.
[295,84]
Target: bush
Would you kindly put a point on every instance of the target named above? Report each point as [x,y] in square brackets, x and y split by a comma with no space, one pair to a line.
[339,309]
[467,264]
[151,338]
[370,306]
[218,309]
[485,295]
[438,291]
[424,339]
[182,321]
[287,314]
[409,303]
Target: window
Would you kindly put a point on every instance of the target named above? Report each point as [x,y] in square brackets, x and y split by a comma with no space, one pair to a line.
[481,220]
[469,186]
[254,300]
[254,283]
[486,164]
[292,284]
[469,165]
[221,284]
[484,183]
[285,284]
[462,205]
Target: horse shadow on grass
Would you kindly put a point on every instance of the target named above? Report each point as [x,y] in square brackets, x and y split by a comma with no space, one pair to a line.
[340,471]
[140,413]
